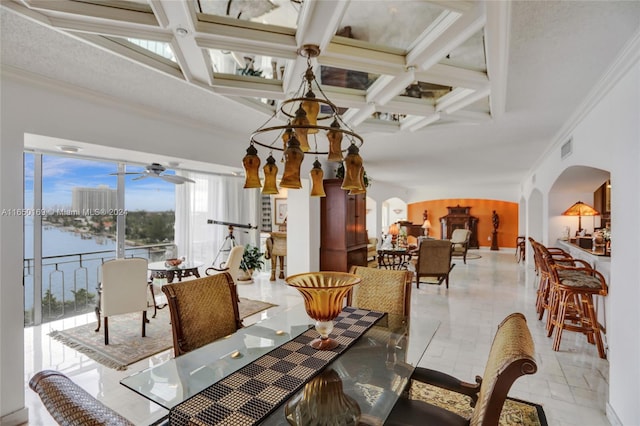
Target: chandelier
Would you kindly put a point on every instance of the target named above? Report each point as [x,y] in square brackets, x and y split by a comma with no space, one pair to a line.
[302,136]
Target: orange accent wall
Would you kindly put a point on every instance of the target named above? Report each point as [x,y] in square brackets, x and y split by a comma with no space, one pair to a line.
[480,208]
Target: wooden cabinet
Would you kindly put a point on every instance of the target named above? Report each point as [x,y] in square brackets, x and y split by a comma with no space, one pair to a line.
[343,235]
[459,217]
[602,203]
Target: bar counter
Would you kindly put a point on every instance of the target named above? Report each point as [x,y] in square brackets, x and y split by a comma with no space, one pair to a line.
[597,259]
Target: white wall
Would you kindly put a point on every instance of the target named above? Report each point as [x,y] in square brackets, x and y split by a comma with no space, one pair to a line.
[12,411]
[607,136]
[372,218]
[303,218]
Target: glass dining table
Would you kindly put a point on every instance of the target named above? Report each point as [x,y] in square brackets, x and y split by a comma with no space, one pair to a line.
[372,372]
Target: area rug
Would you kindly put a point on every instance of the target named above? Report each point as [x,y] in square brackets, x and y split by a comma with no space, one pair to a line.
[514,412]
[470,256]
[126,345]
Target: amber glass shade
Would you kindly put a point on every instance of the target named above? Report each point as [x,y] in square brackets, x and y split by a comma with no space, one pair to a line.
[301,120]
[293,157]
[322,401]
[312,108]
[352,166]
[323,294]
[364,188]
[317,187]
[270,173]
[251,163]
[335,143]
[286,135]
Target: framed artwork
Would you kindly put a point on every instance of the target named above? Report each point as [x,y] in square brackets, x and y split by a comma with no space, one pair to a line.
[280,211]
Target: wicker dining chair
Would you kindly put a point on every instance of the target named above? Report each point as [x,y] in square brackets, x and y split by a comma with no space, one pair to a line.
[202,310]
[383,290]
[512,355]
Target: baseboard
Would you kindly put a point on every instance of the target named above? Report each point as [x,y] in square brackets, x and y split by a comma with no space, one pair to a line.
[20,417]
[612,416]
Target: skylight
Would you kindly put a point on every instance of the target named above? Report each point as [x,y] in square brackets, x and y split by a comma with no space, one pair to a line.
[157,47]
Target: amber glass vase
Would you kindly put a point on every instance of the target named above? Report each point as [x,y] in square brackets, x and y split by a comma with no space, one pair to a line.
[323,294]
[322,402]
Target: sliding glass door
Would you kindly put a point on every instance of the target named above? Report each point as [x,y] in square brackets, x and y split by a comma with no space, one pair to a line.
[75,212]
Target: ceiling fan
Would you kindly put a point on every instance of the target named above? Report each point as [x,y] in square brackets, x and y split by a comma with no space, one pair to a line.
[156,170]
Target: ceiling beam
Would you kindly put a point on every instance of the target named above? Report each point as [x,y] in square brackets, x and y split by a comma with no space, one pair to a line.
[134,53]
[385,88]
[317,23]
[362,59]
[82,10]
[446,34]
[456,5]
[180,21]
[448,75]
[497,32]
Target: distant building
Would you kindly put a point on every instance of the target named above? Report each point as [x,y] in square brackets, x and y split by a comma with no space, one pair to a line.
[93,199]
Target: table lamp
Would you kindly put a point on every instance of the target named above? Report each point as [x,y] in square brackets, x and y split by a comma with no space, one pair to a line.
[394,230]
[580,209]
[426,226]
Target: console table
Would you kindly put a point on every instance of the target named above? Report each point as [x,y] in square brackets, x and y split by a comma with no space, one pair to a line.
[185,269]
[394,258]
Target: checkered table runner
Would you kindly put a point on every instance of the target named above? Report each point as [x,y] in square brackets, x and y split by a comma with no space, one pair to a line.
[251,393]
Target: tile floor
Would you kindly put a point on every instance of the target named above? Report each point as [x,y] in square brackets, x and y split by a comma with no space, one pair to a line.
[571,384]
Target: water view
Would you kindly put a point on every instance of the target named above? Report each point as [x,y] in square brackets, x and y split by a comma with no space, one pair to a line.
[71,268]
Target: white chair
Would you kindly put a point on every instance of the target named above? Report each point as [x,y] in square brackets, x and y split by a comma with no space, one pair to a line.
[460,243]
[123,289]
[232,265]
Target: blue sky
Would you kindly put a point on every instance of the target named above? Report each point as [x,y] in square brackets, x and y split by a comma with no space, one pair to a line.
[61,174]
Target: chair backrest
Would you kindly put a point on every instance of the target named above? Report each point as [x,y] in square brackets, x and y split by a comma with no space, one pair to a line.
[460,236]
[202,310]
[382,290]
[434,257]
[511,356]
[233,262]
[69,404]
[124,286]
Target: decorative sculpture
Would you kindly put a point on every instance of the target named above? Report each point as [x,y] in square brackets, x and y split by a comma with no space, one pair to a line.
[494,237]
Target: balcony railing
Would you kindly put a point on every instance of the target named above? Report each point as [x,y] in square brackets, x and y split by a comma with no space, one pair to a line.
[69,282]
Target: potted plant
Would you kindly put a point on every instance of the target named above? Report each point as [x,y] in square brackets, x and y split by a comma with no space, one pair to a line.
[252,260]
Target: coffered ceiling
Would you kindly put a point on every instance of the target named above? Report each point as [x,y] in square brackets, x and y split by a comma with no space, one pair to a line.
[451,96]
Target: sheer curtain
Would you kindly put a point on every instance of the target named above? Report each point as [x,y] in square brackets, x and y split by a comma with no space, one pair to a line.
[219,198]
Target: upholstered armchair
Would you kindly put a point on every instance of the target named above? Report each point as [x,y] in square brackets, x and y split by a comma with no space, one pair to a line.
[123,290]
[434,261]
[232,265]
[460,243]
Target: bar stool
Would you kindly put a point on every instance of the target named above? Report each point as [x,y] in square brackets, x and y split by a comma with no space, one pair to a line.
[558,255]
[571,302]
